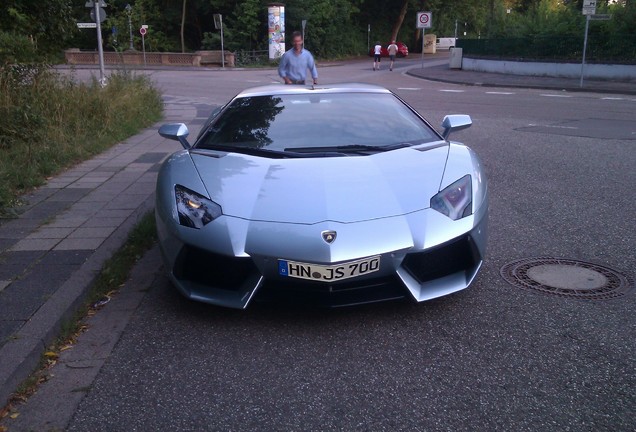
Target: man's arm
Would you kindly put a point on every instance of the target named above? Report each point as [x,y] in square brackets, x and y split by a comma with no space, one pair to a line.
[312,68]
[282,69]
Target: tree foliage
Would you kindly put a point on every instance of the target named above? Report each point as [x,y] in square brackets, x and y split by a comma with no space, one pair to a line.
[334,27]
[47,24]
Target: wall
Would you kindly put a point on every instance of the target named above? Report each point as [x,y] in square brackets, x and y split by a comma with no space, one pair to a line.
[198,58]
[565,70]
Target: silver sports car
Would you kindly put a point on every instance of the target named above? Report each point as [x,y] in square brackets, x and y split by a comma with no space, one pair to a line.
[338,194]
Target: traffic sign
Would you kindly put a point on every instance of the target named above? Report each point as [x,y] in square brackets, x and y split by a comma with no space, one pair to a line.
[143,31]
[424,20]
[601,17]
[102,15]
[91,4]
[87,25]
[589,7]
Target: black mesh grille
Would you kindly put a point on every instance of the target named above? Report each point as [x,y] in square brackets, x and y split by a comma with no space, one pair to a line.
[332,295]
[219,271]
[449,258]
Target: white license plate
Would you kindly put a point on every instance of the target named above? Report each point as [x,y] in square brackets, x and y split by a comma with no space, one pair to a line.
[328,273]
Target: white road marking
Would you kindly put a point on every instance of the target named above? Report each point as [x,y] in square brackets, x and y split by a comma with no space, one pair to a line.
[612,98]
[453,91]
[555,95]
[409,88]
[552,126]
[500,93]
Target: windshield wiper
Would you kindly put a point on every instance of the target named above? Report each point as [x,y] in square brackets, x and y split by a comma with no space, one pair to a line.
[352,148]
[275,154]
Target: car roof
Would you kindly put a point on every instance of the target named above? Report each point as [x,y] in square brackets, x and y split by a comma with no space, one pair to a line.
[280,89]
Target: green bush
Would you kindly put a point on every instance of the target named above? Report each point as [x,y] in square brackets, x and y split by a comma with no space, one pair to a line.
[16,48]
[48,122]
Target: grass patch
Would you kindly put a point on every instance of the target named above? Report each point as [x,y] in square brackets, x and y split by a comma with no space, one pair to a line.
[117,269]
[49,123]
[113,275]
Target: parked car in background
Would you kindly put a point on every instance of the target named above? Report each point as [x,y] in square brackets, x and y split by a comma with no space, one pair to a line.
[445,43]
[403,50]
[339,194]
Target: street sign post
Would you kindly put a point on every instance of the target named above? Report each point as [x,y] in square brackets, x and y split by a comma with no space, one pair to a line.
[96,15]
[424,21]
[589,10]
[142,31]
[218,24]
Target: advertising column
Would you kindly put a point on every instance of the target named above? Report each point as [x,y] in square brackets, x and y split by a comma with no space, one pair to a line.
[276,29]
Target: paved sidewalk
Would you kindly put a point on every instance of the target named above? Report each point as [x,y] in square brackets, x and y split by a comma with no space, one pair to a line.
[443,73]
[52,252]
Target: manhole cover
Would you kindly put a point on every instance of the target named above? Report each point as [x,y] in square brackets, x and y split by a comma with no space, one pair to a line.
[567,278]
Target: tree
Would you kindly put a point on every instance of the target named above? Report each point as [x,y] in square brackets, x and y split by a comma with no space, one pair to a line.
[399,20]
[48,24]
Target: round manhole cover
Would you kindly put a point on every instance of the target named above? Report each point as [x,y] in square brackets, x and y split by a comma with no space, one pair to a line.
[568,278]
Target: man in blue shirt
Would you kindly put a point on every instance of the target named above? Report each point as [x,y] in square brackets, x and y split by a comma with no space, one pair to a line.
[295,62]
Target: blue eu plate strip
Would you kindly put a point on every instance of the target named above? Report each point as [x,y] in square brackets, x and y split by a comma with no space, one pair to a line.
[282,268]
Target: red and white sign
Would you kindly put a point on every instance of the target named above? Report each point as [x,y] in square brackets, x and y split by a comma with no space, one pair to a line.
[143,31]
[424,20]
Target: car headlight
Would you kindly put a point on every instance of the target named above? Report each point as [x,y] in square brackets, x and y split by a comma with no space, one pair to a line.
[195,210]
[455,201]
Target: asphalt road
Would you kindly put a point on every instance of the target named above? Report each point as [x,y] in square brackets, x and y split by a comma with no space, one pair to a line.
[493,357]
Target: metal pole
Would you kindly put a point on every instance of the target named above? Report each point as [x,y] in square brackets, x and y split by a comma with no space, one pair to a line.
[100,49]
[143,45]
[423,31]
[129,11]
[587,23]
[222,50]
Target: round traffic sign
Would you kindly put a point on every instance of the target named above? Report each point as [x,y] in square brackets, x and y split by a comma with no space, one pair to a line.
[424,19]
[102,15]
[143,31]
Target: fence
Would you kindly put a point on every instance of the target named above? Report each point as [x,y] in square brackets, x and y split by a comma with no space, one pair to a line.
[252,58]
[198,58]
[610,49]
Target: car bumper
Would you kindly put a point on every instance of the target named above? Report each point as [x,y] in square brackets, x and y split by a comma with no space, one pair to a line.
[428,267]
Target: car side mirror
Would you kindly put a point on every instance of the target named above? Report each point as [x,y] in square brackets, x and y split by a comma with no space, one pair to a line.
[455,122]
[177,132]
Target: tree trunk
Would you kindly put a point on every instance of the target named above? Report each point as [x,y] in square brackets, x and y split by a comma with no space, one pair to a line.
[400,20]
[183,14]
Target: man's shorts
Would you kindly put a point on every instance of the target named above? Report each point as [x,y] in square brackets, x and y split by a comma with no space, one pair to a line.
[376,57]
[392,57]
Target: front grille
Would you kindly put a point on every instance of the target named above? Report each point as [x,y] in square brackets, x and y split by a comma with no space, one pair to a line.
[449,258]
[210,269]
[332,295]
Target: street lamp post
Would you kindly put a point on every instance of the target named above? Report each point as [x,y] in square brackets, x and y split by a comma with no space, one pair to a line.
[129,12]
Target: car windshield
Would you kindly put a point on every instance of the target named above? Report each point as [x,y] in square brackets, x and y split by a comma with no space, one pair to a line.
[299,125]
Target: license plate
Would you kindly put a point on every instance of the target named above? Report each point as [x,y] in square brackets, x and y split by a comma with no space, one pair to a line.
[328,273]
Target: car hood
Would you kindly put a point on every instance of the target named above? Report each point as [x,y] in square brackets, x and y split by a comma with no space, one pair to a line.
[313,190]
